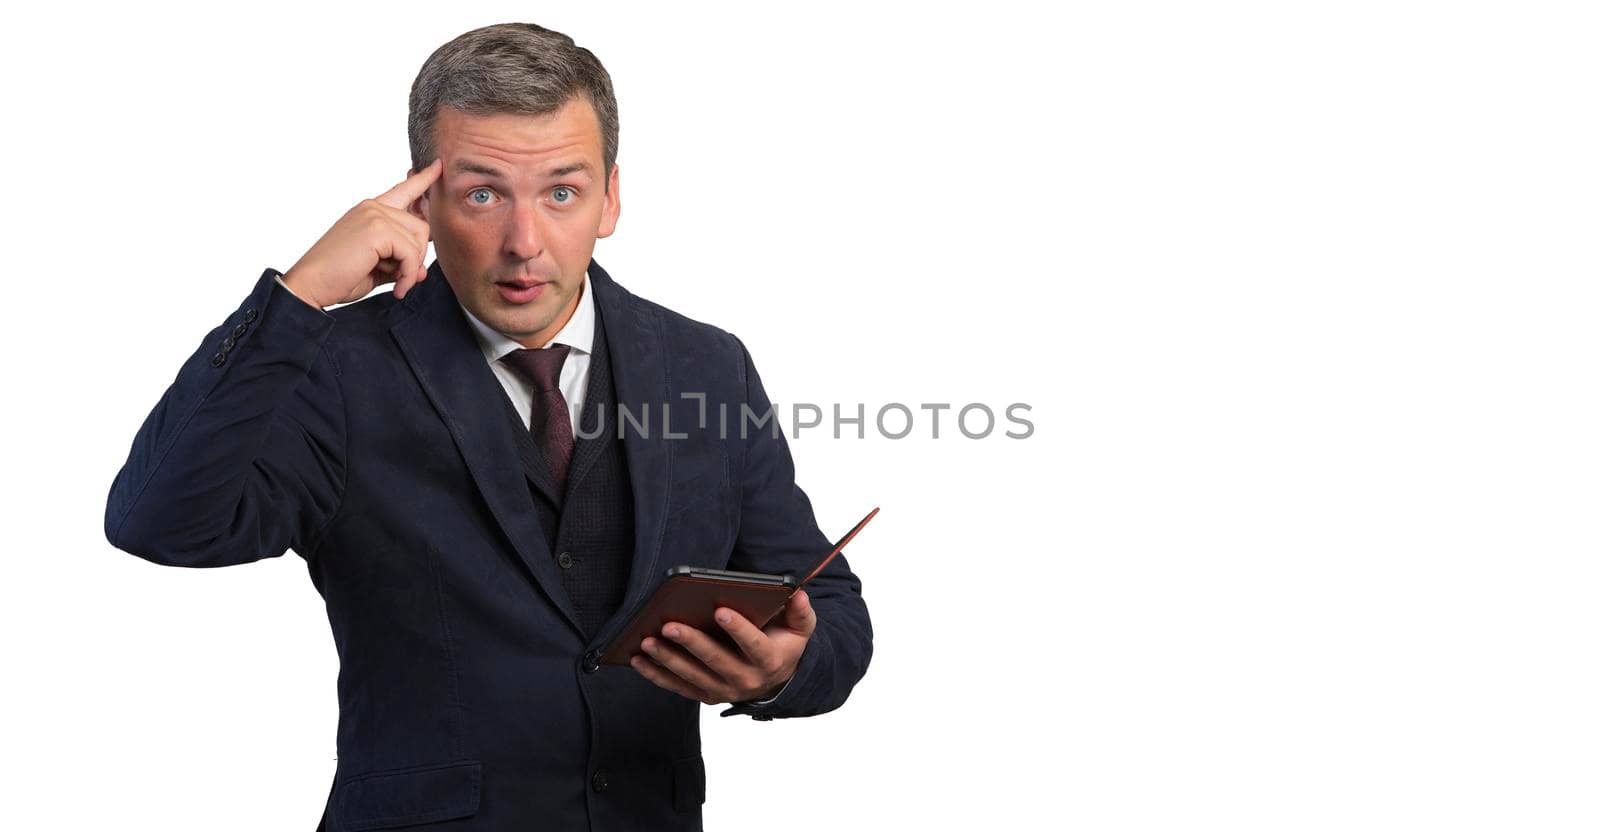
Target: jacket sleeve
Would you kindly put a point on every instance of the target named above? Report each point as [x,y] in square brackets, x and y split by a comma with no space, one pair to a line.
[243,456]
[778,533]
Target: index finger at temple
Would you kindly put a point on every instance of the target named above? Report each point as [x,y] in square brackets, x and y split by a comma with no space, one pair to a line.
[407,190]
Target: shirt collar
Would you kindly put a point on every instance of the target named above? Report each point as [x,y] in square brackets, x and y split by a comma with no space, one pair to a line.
[578,333]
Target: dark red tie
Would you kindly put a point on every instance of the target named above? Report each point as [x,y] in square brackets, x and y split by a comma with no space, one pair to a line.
[551,424]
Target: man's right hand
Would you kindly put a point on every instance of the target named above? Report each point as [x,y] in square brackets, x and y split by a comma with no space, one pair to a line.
[376,242]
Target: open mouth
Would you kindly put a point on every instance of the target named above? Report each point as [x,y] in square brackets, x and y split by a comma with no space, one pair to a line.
[520,291]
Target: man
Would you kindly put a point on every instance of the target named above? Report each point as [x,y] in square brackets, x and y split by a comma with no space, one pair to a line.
[488,468]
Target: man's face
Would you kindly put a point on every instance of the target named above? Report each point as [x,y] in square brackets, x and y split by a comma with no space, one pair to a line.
[515,213]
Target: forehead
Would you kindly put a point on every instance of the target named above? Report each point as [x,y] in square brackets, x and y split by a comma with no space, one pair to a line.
[517,144]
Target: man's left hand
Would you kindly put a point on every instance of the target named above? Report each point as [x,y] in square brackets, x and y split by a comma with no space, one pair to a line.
[693,664]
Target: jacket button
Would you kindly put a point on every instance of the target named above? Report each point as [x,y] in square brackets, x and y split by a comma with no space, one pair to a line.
[565,559]
[216,360]
[239,330]
[249,315]
[591,661]
[227,344]
[600,780]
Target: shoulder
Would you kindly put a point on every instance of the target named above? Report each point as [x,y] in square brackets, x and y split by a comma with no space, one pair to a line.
[698,355]
[677,330]
[369,313]
[359,340]
[363,327]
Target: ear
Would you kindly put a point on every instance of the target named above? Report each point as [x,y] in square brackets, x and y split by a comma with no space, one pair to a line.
[613,207]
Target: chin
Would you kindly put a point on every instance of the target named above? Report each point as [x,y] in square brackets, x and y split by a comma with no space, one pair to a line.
[524,325]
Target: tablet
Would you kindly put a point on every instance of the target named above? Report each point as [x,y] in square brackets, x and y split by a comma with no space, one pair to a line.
[690,595]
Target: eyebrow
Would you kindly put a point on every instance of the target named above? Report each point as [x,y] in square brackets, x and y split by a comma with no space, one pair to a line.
[464,166]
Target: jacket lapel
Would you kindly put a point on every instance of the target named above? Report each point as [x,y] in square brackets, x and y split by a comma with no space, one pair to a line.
[438,343]
[638,372]
[592,435]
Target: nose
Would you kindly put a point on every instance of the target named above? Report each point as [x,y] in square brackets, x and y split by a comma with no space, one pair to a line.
[524,235]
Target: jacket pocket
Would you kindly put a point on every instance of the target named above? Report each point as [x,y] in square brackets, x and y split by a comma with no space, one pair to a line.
[402,797]
[688,783]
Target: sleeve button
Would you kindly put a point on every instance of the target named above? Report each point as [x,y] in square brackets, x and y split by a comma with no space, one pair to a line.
[249,315]
[216,360]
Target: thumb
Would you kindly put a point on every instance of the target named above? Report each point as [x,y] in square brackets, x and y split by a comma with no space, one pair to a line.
[798,615]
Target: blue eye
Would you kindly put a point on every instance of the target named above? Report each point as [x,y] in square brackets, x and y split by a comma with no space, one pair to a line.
[563,189]
[476,191]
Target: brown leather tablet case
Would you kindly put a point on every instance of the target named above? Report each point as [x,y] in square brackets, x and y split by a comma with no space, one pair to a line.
[691,596]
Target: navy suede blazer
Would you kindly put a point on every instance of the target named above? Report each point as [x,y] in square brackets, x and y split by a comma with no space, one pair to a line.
[370,439]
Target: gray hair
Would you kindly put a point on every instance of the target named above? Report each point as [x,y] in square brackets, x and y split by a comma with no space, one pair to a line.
[509,68]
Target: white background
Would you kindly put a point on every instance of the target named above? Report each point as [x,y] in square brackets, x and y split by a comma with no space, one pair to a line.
[1303,298]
